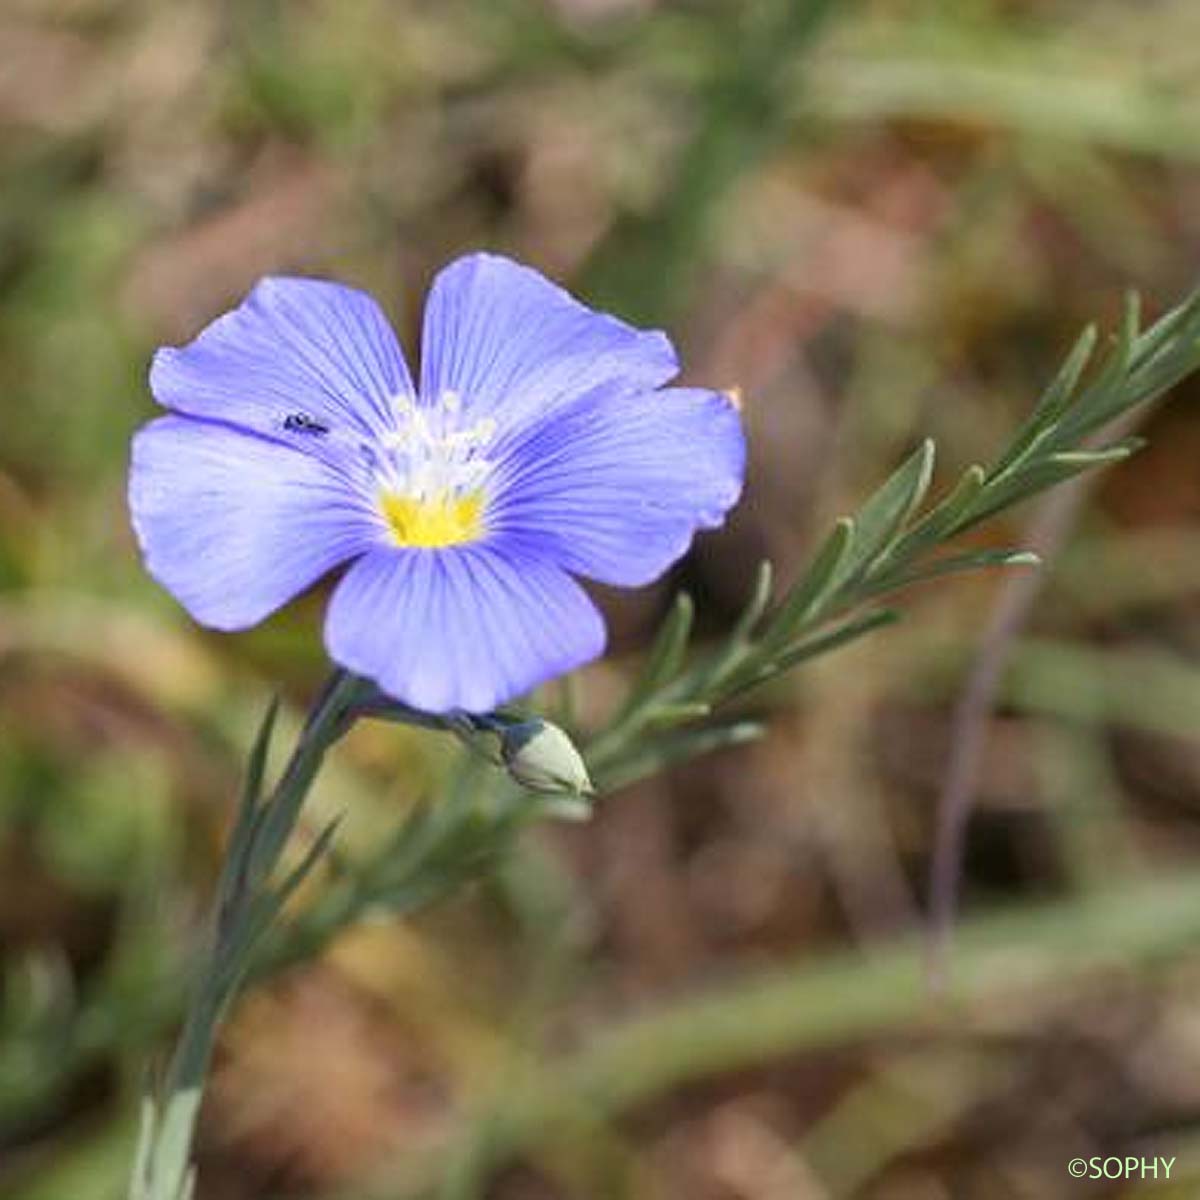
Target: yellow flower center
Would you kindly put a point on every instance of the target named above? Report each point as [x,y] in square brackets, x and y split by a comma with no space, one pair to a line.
[442,520]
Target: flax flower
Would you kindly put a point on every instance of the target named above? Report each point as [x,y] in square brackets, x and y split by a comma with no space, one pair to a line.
[540,445]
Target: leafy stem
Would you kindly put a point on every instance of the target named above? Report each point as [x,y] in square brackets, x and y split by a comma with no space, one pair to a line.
[888,545]
[891,543]
[246,904]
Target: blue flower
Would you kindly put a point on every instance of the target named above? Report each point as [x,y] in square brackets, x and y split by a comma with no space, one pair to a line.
[540,445]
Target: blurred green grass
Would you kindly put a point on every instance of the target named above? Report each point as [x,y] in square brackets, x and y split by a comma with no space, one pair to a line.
[881,220]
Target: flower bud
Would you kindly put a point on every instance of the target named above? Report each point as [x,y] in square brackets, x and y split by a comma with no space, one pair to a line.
[541,758]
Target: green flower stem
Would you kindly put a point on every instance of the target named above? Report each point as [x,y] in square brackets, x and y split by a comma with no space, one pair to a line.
[245,905]
[430,855]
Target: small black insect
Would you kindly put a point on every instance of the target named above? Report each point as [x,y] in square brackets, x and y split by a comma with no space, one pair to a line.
[303,423]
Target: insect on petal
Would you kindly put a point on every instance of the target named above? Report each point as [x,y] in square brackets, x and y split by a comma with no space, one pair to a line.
[235,525]
[294,348]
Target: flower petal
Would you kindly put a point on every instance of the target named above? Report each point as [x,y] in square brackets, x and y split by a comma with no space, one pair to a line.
[514,346]
[234,525]
[616,486]
[294,346]
[468,627]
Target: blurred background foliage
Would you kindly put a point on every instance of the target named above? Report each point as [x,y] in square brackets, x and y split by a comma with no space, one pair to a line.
[880,219]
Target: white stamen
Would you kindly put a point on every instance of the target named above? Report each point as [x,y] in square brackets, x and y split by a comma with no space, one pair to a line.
[428,457]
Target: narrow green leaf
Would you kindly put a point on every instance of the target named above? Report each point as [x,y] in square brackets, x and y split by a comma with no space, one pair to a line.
[943,519]
[256,766]
[1046,472]
[1160,375]
[736,648]
[239,852]
[1110,393]
[822,643]
[765,668]
[270,904]
[432,884]
[809,593]
[1131,324]
[1055,400]
[756,605]
[1159,359]
[656,755]
[665,655]
[167,1169]
[882,517]
[1057,397]
[304,867]
[1150,342]
[666,716]
[147,1124]
[1117,452]
[955,564]
[1120,358]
